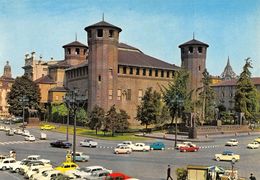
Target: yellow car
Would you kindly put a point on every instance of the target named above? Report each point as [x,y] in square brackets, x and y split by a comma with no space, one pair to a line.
[47,127]
[65,166]
[257,140]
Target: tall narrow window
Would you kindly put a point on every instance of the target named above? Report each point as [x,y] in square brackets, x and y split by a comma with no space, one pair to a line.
[119,94]
[144,72]
[200,49]
[131,70]
[110,73]
[118,70]
[156,72]
[150,72]
[99,32]
[128,95]
[168,74]
[110,94]
[99,78]
[137,71]
[124,70]
[140,94]
[190,49]
[85,51]
[68,51]
[111,33]
[77,51]
[162,73]
[199,68]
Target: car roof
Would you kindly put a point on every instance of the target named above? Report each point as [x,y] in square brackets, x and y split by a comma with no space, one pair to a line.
[33,156]
[93,167]
[9,159]
[68,163]
[227,152]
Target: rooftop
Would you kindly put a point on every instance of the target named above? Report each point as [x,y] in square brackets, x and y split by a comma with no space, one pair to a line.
[75,44]
[45,80]
[193,42]
[103,24]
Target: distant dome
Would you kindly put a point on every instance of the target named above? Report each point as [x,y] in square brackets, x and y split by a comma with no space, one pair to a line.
[7,70]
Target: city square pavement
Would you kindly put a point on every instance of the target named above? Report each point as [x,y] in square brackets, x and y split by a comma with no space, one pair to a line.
[142,165]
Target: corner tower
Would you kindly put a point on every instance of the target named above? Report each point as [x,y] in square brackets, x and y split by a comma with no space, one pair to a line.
[102,64]
[75,52]
[193,59]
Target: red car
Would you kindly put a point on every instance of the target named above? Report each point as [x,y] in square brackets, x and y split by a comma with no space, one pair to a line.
[189,148]
[117,176]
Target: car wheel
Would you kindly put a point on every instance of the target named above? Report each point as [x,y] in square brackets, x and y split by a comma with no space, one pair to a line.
[184,150]
[116,152]
[162,149]
[128,152]
[233,160]
[195,150]
[17,170]
[3,168]
[218,159]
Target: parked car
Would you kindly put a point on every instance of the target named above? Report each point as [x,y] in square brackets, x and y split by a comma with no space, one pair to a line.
[18,131]
[16,167]
[88,143]
[37,158]
[47,127]
[26,167]
[185,143]
[98,175]
[157,146]
[37,170]
[80,156]
[10,132]
[227,156]
[123,149]
[257,140]
[2,128]
[85,172]
[253,145]
[5,164]
[65,166]
[232,142]
[7,128]
[39,173]
[140,147]
[189,148]
[117,175]
[33,166]
[128,143]
[26,133]
[61,144]
[48,175]
[29,138]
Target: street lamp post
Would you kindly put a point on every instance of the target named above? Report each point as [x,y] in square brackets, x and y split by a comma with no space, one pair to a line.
[24,99]
[178,102]
[73,101]
[232,170]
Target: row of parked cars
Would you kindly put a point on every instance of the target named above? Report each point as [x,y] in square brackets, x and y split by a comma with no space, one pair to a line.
[36,168]
[12,131]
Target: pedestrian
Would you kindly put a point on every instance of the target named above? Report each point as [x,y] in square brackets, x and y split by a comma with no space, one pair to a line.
[169,173]
[252,177]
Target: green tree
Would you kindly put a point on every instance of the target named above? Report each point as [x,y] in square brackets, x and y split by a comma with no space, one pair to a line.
[82,116]
[181,173]
[23,86]
[111,120]
[207,98]
[164,117]
[176,96]
[122,123]
[96,118]
[59,112]
[246,96]
[149,108]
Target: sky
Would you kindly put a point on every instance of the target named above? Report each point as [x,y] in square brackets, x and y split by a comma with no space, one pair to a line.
[156,27]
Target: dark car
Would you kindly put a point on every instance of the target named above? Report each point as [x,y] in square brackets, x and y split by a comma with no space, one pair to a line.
[61,144]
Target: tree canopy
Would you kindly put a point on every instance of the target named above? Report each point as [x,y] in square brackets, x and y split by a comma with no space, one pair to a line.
[149,108]
[246,96]
[176,96]
[96,118]
[23,87]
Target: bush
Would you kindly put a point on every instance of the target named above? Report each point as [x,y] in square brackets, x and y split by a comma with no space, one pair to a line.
[181,173]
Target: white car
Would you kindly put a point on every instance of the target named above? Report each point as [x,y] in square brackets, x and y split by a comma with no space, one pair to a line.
[232,142]
[31,165]
[16,167]
[85,172]
[37,158]
[88,143]
[33,169]
[5,164]
[39,172]
[227,156]
[2,128]
[253,145]
[29,138]
[140,147]
[123,149]
[18,131]
[7,128]
[184,144]
[128,143]
[47,175]
[25,133]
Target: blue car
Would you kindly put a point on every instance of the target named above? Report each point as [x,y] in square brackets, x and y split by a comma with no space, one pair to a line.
[157,146]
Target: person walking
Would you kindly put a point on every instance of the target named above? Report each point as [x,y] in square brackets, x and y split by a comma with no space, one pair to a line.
[252,177]
[169,173]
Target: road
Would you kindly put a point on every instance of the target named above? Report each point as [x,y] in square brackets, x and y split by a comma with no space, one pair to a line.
[142,165]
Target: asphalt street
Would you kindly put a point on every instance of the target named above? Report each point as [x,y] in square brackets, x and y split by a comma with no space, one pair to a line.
[142,165]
